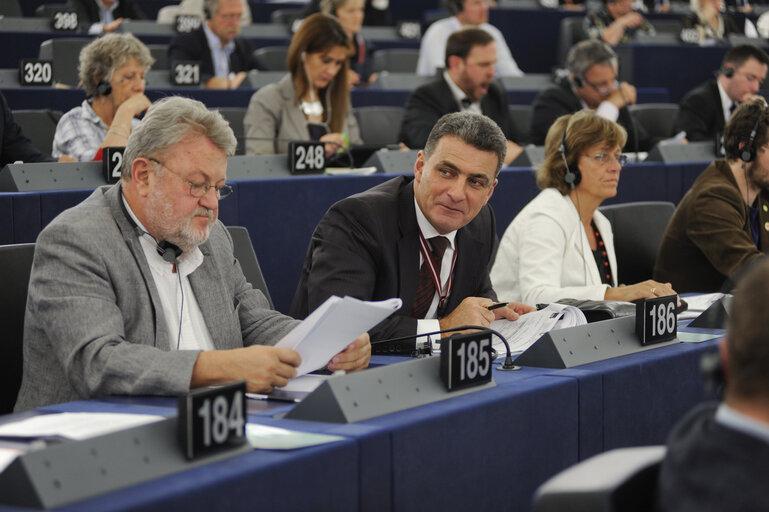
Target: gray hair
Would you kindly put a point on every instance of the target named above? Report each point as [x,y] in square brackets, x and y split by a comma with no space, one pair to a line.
[331,6]
[101,57]
[172,120]
[473,129]
[212,6]
[586,54]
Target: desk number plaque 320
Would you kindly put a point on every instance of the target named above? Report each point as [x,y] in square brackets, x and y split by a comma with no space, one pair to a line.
[466,360]
[656,319]
[212,419]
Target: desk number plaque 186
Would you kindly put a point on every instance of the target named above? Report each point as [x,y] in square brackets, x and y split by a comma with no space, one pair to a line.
[656,319]
[212,419]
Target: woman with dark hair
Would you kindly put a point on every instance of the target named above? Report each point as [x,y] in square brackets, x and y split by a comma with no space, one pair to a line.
[313,100]
[350,14]
[560,246]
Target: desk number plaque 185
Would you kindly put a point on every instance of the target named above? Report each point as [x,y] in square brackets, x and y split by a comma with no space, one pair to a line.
[466,360]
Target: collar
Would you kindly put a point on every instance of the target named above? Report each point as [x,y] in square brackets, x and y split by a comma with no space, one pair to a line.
[428,230]
[735,420]
[214,42]
[89,114]
[107,9]
[458,93]
[726,101]
[188,262]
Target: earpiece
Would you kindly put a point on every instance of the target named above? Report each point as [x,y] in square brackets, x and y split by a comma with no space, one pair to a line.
[103,88]
[748,152]
[572,178]
[304,56]
[728,72]
[455,6]
[578,81]
[168,251]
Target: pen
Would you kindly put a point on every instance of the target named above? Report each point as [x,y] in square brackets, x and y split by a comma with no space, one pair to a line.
[496,306]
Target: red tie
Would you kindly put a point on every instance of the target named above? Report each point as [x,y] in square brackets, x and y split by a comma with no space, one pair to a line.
[426,287]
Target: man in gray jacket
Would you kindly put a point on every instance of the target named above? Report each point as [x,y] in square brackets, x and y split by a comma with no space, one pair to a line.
[136,291]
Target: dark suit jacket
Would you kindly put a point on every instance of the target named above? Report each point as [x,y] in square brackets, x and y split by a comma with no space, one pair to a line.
[88,11]
[701,114]
[13,144]
[560,99]
[194,46]
[434,99]
[367,246]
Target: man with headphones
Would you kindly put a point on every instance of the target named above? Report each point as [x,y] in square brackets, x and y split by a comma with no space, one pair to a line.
[432,49]
[615,22]
[591,83]
[105,16]
[718,455]
[224,56]
[704,111]
[136,290]
[722,223]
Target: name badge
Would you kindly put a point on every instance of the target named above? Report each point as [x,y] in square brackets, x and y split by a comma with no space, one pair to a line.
[306,157]
[35,72]
[656,319]
[466,360]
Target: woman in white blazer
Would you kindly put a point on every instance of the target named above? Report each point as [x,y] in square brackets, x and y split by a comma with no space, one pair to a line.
[560,246]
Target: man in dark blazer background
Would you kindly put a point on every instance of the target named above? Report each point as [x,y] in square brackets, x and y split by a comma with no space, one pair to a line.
[381,243]
[13,144]
[107,15]
[704,111]
[467,84]
[591,83]
[224,56]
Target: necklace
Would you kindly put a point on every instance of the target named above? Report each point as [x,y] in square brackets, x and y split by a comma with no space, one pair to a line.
[312,108]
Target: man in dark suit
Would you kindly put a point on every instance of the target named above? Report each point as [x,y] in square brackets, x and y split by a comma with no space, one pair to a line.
[13,144]
[106,15]
[704,111]
[224,56]
[428,239]
[467,84]
[591,83]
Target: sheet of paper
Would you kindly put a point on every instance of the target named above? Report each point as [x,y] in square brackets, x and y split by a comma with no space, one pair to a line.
[273,438]
[695,337]
[7,455]
[75,425]
[522,333]
[333,326]
[698,304]
[302,384]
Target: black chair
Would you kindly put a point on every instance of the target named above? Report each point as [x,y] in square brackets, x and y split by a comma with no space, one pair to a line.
[571,32]
[16,263]
[159,52]
[379,125]
[396,60]
[391,80]
[638,230]
[234,116]
[244,252]
[47,10]
[657,118]
[618,480]
[10,8]
[521,115]
[271,58]
[285,16]
[39,126]
[258,79]
[64,52]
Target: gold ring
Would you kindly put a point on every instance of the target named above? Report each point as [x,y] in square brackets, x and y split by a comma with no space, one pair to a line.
[654,290]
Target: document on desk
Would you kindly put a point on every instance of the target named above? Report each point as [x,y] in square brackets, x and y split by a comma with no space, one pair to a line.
[698,304]
[522,333]
[333,326]
[264,437]
[74,425]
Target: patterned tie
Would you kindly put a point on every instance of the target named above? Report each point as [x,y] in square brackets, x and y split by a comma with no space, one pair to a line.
[732,109]
[426,287]
[466,102]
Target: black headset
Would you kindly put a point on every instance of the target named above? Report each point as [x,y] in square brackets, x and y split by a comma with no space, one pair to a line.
[103,88]
[578,81]
[455,6]
[170,252]
[727,72]
[572,178]
[748,152]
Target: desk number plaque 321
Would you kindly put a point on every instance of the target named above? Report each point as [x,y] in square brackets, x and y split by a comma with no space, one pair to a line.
[212,419]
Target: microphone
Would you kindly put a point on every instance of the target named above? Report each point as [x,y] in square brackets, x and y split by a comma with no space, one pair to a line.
[424,348]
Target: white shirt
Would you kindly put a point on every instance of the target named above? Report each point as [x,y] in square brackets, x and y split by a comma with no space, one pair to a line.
[194,332]
[432,50]
[430,322]
[220,55]
[726,102]
[460,95]
[105,15]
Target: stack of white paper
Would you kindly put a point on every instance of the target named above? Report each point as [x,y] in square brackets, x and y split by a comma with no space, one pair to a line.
[522,333]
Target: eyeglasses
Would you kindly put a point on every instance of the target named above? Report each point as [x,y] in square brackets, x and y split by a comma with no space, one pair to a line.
[606,158]
[198,189]
[603,89]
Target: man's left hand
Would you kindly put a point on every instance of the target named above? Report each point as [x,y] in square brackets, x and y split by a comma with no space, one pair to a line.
[355,357]
[513,310]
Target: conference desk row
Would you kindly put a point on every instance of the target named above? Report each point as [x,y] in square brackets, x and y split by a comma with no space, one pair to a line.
[281,213]
[487,450]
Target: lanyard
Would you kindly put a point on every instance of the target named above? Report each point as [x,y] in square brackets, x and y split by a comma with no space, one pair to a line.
[427,255]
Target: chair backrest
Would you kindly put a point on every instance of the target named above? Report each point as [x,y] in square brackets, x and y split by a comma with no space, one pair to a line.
[64,52]
[656,118]
[15,264]
[10,8]
[244,252]
[47,10]
[285,16]
[379,125]
[618,480]
[396,60]
[571,32]
[39,126]
[159,52]
[409,81]
[258,79]
[521,115]
[271,58]
[638,230]
[234,116]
